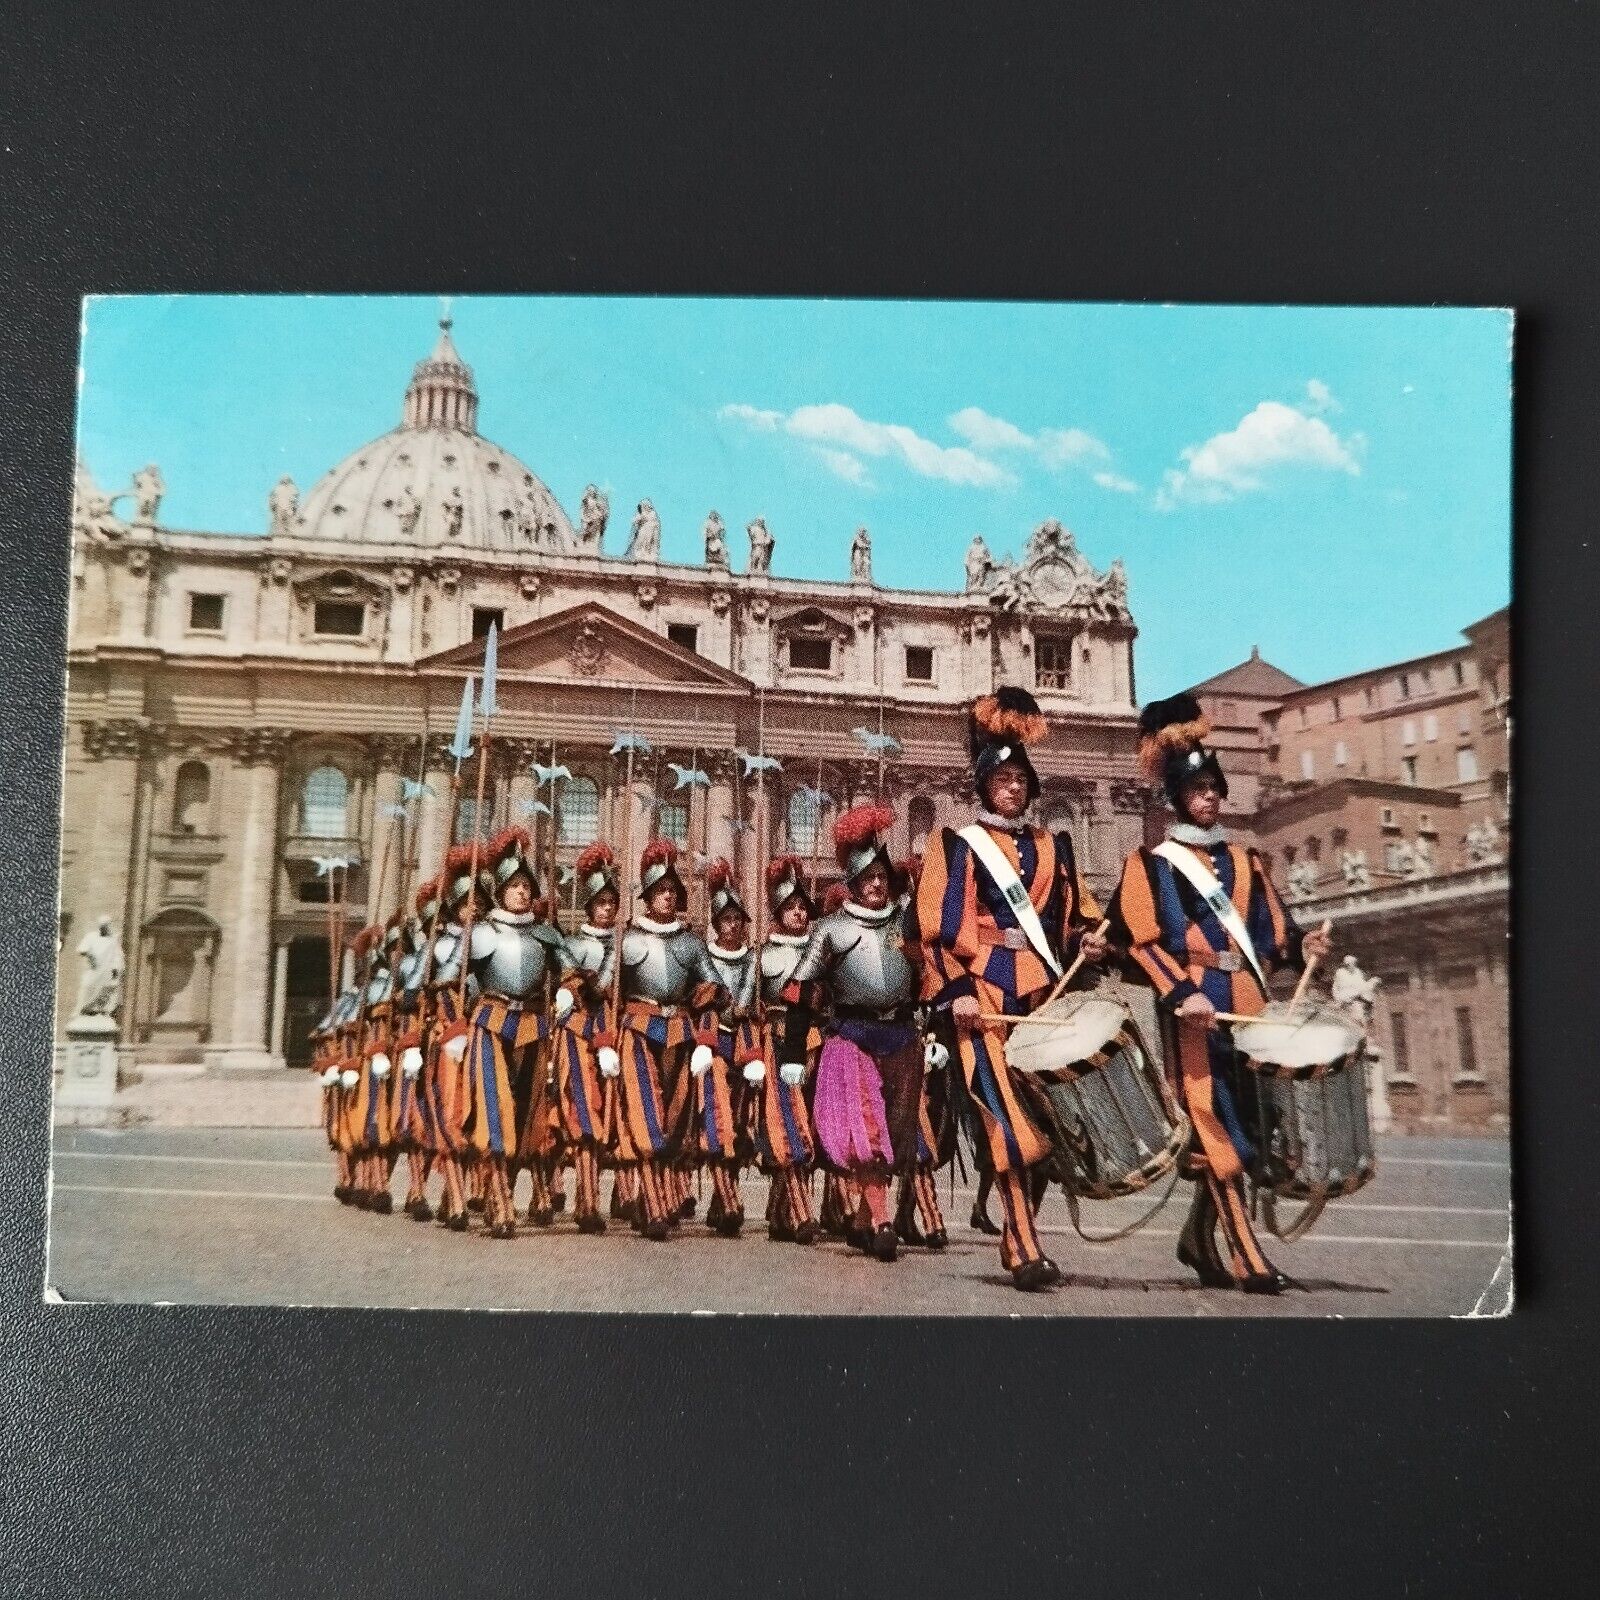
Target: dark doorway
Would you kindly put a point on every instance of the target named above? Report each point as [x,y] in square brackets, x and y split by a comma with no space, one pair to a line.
[306,999]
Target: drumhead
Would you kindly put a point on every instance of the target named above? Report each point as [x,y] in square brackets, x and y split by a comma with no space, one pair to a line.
[1307,1036]
[1079,1026]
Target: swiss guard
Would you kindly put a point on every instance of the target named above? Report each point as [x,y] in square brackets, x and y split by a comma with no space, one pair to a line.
[515,956]
[586,1096]
[370,1105]
[409,1123]
[861,965]
[783,1130]
[1204,926]
[727,1094]
[1001,909]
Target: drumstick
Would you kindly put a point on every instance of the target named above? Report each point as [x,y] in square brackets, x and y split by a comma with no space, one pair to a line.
[1071,972]
[1311,966]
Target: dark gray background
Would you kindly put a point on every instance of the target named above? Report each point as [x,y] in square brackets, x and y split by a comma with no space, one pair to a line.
[1202,152]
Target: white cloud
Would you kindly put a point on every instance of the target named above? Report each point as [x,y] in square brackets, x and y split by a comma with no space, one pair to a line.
[984,432]
[1116,483]
[1055,447]
[839,434]
[1233,463]
[752,416]
[1319,398]
[1408,388]
[851,468]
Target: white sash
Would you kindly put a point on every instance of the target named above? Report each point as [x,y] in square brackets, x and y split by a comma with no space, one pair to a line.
[1211,891]
[1010,885]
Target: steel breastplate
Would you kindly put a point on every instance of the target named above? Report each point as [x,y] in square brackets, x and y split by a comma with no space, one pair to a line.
[657,966]
[516,965]
[871,968]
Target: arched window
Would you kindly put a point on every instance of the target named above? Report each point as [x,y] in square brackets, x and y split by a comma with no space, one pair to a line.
[467,817]
[191,798]
[804,813]
[324,803]
[672,822]
[578,812]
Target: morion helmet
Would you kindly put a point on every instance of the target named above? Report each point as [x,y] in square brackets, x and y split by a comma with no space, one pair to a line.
[784,881]
[720,893]
[660,860]
[456,879]
[860,838]
[1000,727]
[511,852]
[1172,751]
[596,871]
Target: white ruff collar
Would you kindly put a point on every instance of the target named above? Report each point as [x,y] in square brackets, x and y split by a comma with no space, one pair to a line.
[992,819]
[512,919]
[1187,833]
[795,939]
[597,933]
[873,919]
[728,955]
[651,926]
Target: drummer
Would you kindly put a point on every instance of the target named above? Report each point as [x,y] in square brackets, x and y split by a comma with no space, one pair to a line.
[993,951]
[1201,960]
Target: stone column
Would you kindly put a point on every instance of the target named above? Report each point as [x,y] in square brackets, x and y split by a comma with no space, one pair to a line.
[385,867]
[134,596]
[433,814]
[280,996]
[248,935]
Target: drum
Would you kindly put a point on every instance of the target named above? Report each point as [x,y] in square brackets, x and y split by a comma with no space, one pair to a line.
[1112,1118]
[1312,1134]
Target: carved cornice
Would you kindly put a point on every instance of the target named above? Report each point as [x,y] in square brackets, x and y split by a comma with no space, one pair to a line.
[253,747]
[1133,798]
[119,738]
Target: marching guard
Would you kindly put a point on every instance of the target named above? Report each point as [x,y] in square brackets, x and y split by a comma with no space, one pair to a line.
[1204,925]
[785,1143]
[860,962]
[514,956]
[727,1092]
[1001,907]
[669,997]
[369,1109]
[409,1120]
[586,1095]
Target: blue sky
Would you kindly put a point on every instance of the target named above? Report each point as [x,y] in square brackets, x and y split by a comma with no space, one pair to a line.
[1331,484]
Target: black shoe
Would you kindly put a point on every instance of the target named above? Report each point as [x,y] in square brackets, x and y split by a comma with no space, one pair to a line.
[937,1240]
[909,1233]
[885,1242]
[780,1233]
[475,1204]
[656,1229]
[1040,1274]
[729,1224]
[618,1210]
[341,1193]
[806,1233]
[544,1217]
[503,1230]
[686,1210]
[383,1202]
[1269,1282]
[457,1223]
[1212,1274]
[419,1211]
[980,1221]
[591,1222]
[558,1201]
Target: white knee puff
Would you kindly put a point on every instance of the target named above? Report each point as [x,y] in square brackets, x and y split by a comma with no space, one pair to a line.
[935,1056]
[563,1004]
[457,1047]
[411,1061]
[349,1078]
[609,1061]
[382,1066]
[793,1073]
[700,1060]
[754,1071]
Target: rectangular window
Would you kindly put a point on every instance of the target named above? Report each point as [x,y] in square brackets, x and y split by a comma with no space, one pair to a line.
[1466,1049]
[1386,817]
[1408,732]
[1341,756]
[1425,822]
[1467,765]
[205,613]
[486,617]
[1052,663]
[919,664]
[1461,675]
[339,619]
[1405,687]
[1308,764]
[684,634]
[1402,1046]
[1408,769]
[1430,727]
[811,655]
[1464,720]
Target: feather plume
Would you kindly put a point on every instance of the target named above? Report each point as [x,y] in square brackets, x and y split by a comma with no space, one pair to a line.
[1011,713]
[834,896]
[1169,725]
[508,839]
[426,892]
[658,851]
[595,857]
[719,875]
[782,867]
[366,939]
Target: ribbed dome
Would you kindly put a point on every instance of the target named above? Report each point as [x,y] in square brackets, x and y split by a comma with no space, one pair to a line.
[434,481]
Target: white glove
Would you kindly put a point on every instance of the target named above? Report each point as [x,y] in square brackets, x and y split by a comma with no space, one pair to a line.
[349,1078]
[382,1066]
[700,1060]
[329,1077]
[754,1071]
[457,1047]
[935,1056]
[411,1061]
[610,1062]
[563,1004]
[793,1073]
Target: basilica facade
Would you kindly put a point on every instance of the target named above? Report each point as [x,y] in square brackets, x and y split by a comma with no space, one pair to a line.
[247,710]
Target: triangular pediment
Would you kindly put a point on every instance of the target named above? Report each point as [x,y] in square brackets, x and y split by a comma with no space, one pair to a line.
[589,643]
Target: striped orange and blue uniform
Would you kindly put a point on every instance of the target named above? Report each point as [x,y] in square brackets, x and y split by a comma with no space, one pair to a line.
[1173,937]
[655,1095]
[724,1102]
[586,1108]
[975,947]
[505,1034]
[445,1081]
